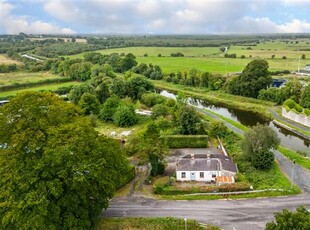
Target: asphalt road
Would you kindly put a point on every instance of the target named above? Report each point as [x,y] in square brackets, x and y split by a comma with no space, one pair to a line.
[241,214]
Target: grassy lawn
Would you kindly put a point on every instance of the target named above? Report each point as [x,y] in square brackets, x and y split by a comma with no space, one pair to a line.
[50,87]
[143,223]
[25,77]
[5,60]
[292,155]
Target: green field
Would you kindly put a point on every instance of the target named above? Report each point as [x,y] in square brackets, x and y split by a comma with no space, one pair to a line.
[211,59]
[25,77]
[5,60]
[50,87]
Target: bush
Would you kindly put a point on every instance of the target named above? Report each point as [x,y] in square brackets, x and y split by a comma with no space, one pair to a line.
[125,116]
[185,141]
[151,99]
[307,112]
[159,110]
[290,103]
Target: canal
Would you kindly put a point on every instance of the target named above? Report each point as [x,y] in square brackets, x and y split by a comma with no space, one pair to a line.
[288,139]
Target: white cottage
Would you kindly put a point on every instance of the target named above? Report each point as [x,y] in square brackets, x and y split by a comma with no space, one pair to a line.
[205,167]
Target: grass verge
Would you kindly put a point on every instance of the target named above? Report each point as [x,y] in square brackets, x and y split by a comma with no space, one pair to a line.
[293,127]
[232,122]
[155,223]
[292,155]
[232,196]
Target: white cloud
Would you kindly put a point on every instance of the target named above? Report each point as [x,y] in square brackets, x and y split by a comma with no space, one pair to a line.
[168,16]
[63,10]
[12,24]
[266,25]
[297,3]
[295,26]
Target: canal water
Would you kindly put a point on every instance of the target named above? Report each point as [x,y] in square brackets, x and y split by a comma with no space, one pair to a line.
[288,139]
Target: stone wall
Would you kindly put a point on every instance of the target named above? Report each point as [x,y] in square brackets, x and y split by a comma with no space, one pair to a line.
[300,118]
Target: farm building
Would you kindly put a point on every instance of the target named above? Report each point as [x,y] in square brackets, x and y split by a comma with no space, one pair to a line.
[206,168]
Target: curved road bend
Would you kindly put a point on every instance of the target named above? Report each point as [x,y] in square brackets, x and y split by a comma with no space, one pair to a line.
[241,214]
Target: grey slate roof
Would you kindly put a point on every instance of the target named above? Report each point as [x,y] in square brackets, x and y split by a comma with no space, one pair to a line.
[201,162]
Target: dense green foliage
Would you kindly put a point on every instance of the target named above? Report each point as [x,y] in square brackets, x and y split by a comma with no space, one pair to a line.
[300,219]
[257,145]
[253,78]
[185,141]
[125,116]
[108,109]
[305,97]
[189,120]
[56,171]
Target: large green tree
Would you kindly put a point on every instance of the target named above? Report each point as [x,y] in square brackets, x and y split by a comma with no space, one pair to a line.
[56,171]
[257,145]
[290,220]
[138,85]
[305,97]
[189,120]
[253,78]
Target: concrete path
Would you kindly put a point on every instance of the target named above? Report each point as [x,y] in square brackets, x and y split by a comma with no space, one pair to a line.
[285,120]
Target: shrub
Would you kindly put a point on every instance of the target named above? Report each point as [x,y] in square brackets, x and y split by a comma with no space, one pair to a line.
[159,110]
[307,112]
[151,99]
[290,103]
[125,116]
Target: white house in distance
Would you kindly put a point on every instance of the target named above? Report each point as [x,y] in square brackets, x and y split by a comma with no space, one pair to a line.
[206,168]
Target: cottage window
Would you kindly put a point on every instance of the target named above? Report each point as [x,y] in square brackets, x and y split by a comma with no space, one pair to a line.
[213,174]
[202,175]
[183,175]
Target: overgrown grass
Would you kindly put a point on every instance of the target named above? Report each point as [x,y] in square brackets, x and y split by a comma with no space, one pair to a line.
[5,60]
[154,223]
[49,87]
[25,77]
[107,128]
[292,155]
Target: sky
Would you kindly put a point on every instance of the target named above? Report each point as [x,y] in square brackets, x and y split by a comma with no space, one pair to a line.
[154,16]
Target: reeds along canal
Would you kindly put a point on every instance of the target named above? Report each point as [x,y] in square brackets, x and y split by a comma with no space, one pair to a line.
[288,139]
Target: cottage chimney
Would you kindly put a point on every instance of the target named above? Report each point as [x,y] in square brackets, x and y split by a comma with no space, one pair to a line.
[208,156]
[192,161]
[192,156]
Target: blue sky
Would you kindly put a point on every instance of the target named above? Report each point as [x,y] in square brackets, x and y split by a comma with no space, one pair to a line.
[154,16]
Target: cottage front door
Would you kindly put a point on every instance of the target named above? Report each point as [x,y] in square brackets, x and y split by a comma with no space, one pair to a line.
[193,176]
